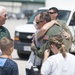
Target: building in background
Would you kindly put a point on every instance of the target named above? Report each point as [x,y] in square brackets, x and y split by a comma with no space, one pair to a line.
[21,5]
[21,9]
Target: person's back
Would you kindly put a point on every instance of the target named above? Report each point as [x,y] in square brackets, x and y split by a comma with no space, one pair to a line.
[8,67]
[69,65]
[60,65]
[58,30]
[62,62]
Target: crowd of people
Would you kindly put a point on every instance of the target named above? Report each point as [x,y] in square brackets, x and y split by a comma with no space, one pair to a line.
[50,46]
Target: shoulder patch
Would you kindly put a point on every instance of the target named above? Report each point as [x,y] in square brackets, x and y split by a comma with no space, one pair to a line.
[46,37]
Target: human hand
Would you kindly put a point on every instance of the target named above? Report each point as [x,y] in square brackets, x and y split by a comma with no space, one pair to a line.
[67,35]
[32,35]
[32,44]
[46,53]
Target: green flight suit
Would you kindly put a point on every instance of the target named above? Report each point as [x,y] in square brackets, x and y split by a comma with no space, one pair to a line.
[52,31]
[65,27]
[4,32]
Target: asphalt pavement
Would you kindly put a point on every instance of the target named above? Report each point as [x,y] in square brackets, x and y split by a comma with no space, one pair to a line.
[11,25]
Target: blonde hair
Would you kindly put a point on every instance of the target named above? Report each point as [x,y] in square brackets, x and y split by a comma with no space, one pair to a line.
[6,43]
[57,40]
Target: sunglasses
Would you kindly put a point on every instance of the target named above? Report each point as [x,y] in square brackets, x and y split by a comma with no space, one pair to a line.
[38,22]
[51,12]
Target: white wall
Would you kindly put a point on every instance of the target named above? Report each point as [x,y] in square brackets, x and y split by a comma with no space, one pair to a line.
[12,7]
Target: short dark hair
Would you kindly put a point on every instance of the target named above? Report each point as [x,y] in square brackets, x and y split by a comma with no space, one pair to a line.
[54,9]
[45,16]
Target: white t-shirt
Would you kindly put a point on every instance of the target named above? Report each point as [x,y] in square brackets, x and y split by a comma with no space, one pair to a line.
[58,65]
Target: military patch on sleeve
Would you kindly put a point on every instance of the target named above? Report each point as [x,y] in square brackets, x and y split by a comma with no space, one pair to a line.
[46,37]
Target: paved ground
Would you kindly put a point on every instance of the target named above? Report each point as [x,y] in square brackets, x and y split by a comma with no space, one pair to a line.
[11,25]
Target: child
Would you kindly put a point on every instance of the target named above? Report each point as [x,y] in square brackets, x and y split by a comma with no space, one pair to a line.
[7,66]
[62,62]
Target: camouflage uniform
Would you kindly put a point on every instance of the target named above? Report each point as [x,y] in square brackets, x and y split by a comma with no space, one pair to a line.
[65,27]
[52,31]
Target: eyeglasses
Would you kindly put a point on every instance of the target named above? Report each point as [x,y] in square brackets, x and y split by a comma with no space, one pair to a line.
[51,12]
[38,22]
